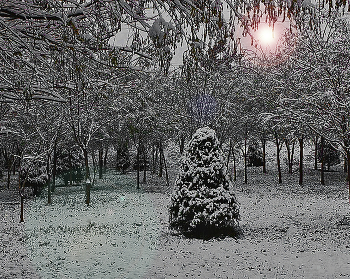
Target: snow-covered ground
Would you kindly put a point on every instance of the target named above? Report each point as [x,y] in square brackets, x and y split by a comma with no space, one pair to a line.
[14,260]
[115,237]
[289,231]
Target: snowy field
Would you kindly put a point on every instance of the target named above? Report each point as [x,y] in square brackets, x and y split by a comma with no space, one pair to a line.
[115,237]
[289,231]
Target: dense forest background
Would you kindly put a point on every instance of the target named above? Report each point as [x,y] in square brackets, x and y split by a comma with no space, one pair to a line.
[70,96]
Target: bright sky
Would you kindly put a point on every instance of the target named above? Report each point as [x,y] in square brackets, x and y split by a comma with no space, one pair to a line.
[266,35]
[266,39]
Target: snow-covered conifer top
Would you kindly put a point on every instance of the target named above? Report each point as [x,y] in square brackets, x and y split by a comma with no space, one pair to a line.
[204,138]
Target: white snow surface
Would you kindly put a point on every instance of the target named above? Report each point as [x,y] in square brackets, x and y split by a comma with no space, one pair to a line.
[289,231]
[114,237]
[14,260]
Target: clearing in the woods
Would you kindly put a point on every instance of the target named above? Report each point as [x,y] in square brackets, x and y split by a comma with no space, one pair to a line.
[288,231]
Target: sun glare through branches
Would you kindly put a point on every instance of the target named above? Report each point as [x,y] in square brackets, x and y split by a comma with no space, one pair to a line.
[266,36]
[268,46]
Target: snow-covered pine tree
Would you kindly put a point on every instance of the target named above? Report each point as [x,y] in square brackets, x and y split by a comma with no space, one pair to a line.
[203,203]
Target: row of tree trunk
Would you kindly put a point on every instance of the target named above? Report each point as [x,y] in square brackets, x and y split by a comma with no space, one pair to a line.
[290,146]
[158,161]
[159,164]
[12,159]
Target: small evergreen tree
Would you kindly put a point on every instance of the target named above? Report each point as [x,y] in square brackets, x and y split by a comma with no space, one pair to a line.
[123,157]
[35,174]
[255,155]
[331,156]
[143,159]
[70,165]
[203,204]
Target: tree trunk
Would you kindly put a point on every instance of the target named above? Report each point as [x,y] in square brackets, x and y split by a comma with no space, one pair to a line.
[94,166]
[93,157]
[19,158]
[9,174]
[152,167]
[228,156]
[144,164]
[14,166]
[155,158]
[70,168]
[234,167]
[245,161]
[160,159]
[48,191]
[301,145]
[292,157]
[105,157]
[48,180]
[100,162]
[21,193]
[166,169]
[288,157]
[346,164]
[316,140]
[87,191]
[87,177]
[138,167]
[4,152]
[10,162]
[278,159]
[263,142]
[54,167]
[322,161]
[348,175]
[182,144]
[22,208]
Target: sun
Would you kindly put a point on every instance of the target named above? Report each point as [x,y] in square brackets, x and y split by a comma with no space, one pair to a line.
[266,35]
